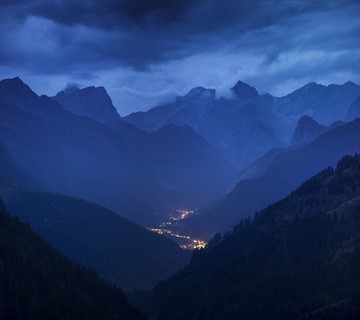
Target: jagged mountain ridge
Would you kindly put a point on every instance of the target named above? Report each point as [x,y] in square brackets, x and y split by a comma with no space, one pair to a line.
[247,125]
[325,104]
[92,102]
[241,128]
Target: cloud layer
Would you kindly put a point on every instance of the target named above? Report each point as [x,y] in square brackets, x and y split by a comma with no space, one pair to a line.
[146,52]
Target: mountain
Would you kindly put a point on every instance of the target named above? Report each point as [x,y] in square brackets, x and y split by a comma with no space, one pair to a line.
[92,102]
[188,109]
[287,170]
[76,228]
[241,128]
[38,283]
[259,166]
[354,109]
[116,249]
[244,91]
[115,164]
[297,259]
[186,162]
[307,130]
[325,104]
[11,174]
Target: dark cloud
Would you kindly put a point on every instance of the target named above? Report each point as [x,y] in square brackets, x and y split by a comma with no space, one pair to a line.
[102,14]
[215,41]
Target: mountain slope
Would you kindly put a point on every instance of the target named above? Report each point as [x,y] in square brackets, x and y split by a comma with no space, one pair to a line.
[241,128]
[115,164]
[118,250]
[307,129]
[325,104]
[92,102]
[298,259]
[186,162]
[247,125]
[354,110]
[38,283]
[13,175]
[286,171]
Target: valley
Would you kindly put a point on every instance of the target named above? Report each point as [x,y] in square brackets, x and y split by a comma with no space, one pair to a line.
[169,228]
[170,160]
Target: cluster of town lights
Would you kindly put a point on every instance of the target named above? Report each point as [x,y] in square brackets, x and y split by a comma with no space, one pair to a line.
[164,228]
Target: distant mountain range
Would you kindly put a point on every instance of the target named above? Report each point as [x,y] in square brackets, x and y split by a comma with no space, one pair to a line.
[247,125]
[241,129]
[297,259]
[58,153]
[325,104]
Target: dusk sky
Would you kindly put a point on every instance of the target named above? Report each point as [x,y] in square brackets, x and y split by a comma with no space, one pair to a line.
[147,52]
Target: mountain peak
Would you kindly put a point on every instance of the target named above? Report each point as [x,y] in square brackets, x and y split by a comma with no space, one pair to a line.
[311,84]
[92,102]
[307,130]
[245,91]
[15,92]
[15,84]
[71,87]
[350,84]
[200,92]
[306,121]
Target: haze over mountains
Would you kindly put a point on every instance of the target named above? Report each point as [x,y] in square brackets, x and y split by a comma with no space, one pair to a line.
[179,160]
[283,172]
[79,173]
[116,165]
[90,234]
[183,157]
[247,125]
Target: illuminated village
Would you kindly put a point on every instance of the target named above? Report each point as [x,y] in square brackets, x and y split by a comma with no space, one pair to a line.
[167,229]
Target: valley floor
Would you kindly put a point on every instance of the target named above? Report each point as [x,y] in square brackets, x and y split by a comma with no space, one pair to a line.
[169,228]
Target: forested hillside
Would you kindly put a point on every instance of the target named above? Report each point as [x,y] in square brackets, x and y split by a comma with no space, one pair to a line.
[118,250]
[297,259]
[36,282]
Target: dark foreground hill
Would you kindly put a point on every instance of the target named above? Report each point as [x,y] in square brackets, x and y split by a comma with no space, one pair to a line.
[36,282]
[118,250]
[297,259]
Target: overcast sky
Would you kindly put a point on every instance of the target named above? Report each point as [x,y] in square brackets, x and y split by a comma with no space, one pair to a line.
[147,52]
